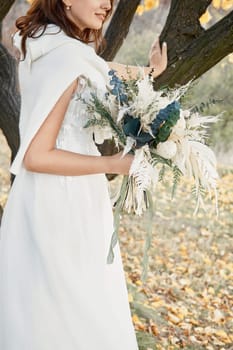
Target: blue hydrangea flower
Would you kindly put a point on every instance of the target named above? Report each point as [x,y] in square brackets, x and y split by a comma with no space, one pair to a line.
[118,89]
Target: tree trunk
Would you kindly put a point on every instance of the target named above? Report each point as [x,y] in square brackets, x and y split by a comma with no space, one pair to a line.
[9,96]
[9,103]
[119,27]
[9,100]
[183,25]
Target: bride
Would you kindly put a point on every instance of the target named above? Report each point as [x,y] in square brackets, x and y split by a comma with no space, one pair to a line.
[56,290]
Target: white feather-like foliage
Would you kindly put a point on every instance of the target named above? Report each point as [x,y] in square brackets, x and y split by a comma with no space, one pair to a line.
[130,142]
[193,157]
[197,121]
[148,102]
[197,160]
[206,163]
[142,177]
[121,112]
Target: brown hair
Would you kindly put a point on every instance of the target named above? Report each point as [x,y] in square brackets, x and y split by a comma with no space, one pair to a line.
[44,12]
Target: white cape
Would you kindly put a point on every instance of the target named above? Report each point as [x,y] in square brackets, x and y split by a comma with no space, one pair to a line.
[47,58]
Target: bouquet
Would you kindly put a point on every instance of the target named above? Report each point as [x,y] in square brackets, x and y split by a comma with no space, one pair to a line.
[153,126]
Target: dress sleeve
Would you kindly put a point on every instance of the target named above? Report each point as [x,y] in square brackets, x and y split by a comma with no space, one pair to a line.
[42,83]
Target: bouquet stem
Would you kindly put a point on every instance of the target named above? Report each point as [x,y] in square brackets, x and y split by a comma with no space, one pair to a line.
[147,245]
[117,213]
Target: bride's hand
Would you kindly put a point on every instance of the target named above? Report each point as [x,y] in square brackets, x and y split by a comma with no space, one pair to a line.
[122,165]
[158,57]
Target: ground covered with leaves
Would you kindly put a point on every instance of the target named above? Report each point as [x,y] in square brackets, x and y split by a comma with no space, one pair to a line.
[187,299]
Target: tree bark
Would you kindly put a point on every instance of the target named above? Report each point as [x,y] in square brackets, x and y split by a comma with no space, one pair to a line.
[9,103]
[119,27]
[192,50]
[9,96]
[9,100]
[183,25]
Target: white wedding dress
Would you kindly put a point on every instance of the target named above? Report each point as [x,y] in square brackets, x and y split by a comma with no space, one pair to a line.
[56,290]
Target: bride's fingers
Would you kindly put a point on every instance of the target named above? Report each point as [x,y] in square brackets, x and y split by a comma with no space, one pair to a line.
[160,51]
[164,55]
[158,55]
[164,50]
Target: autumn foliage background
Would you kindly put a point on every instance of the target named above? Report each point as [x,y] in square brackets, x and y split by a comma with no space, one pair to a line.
[187,300]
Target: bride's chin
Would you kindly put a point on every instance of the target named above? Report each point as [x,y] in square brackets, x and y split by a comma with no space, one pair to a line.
[93,27]
[96,27]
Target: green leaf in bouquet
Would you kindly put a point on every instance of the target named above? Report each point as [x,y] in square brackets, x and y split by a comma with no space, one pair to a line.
[177,174]
[166,129]
[205,105]
[162,173]
[106,114]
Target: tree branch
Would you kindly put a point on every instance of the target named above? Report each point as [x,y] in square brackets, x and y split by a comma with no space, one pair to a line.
[182,25]
[200,54]
[119,27]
